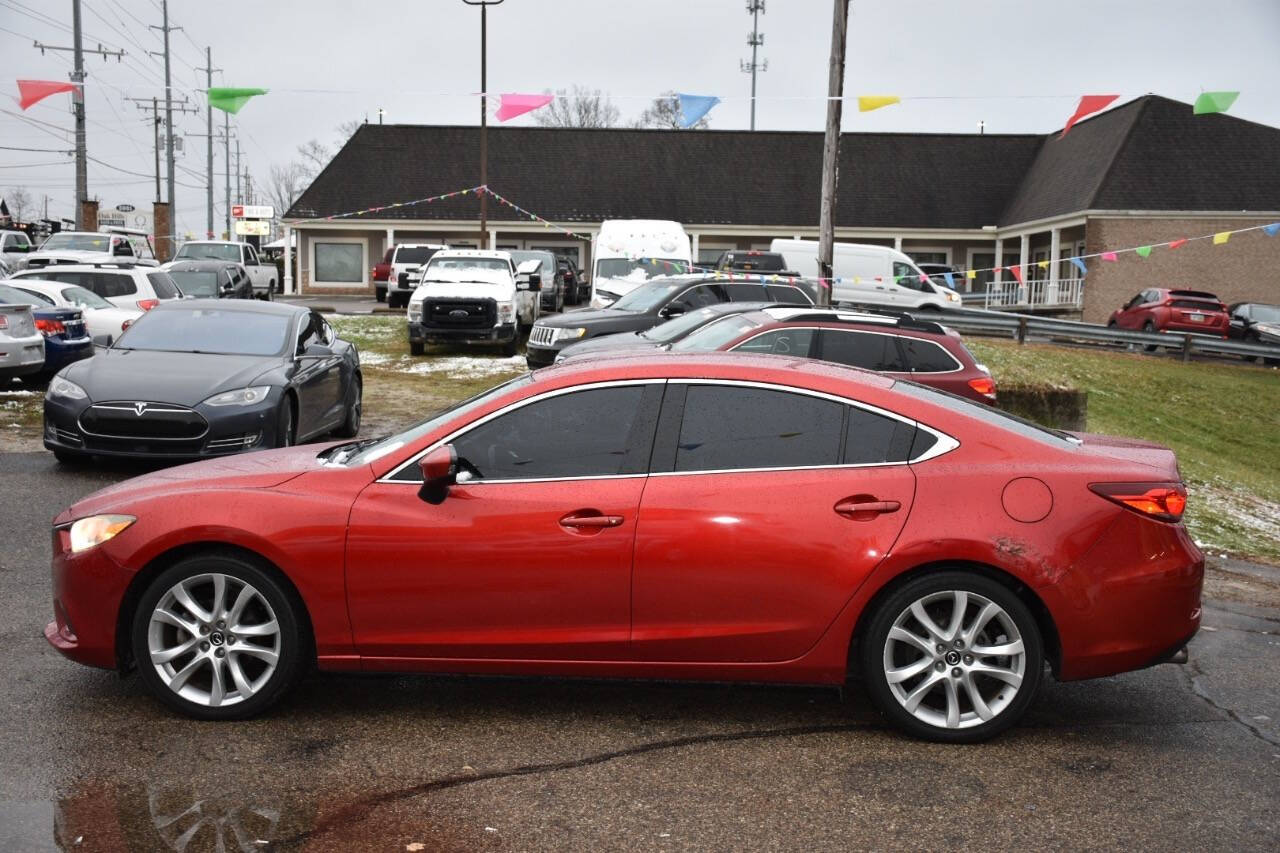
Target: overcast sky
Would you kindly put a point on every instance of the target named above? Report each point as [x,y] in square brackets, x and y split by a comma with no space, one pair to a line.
[1017,65]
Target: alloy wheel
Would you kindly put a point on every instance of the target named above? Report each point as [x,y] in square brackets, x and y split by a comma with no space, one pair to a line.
[954,659]
[214,640]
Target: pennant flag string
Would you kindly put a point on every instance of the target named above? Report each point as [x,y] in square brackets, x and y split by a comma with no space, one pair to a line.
[867,103]
[1214,102]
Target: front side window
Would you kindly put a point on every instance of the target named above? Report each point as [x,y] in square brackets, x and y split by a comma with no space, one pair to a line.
[249,256]
[592,433]
[927,357]
[700,297]
[788,295]
[730,427]
[906,275]
[715,335]
[309,333]
[122,247]
[862,349]
[795,342]
[337,262]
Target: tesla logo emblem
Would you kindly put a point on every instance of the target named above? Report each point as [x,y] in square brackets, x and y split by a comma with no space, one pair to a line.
[139,409]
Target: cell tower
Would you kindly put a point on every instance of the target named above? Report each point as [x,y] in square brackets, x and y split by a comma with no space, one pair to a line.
[755,39]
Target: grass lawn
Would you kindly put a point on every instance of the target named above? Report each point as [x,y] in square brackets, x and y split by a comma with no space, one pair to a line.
[1222,419]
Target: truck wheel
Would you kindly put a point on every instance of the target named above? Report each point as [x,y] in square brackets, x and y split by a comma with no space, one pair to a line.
[380,294]
[512,346]
[417,347]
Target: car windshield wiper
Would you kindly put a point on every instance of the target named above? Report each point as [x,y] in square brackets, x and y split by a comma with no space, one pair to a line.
[340,453]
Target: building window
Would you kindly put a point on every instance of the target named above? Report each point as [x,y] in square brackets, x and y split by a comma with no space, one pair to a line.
[928,257]
[339,262]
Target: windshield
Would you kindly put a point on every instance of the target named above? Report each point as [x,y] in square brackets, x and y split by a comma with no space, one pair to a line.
[208,330]
[381,447]
[648,296]
[193,283]
[79,242]
[679,327]
[13,296]
[467,269]
[1265,313]
[716,334]
[639,269]
[85,298]
[414,254]
[209,251]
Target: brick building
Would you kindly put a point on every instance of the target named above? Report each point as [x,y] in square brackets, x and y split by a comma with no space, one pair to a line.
[1141,173]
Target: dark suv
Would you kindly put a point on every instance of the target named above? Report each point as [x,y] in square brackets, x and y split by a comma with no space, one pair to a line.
[650,304]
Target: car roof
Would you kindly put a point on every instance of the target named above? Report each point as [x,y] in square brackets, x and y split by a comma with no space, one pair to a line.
[201,264]
[247,306]
[710,365]
[38,283]
[106,266]
[473,253]
[887,319]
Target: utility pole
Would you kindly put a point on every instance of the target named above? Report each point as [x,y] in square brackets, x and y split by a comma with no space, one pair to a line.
[226,142]
[755,39]
[208,120]
[156,121]
[168,121]
[248,188]
[239,196]
[484,114]
[77,104]
[831,150]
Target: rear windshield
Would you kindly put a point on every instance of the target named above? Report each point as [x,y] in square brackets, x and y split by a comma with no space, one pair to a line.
[1265,313]
[78,242]
[12,296]
[208,330]
[980,411]
[211,251]
[197,283]
[414,255]
[1196,304]
[759,261]
[716,334]
[84,298]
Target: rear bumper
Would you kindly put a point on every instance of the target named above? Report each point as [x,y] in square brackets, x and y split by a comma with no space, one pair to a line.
[22,356]
[419,333]
[66,352]
[1195,329]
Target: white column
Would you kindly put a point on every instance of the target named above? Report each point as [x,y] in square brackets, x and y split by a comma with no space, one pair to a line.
[391,239]
[693,246]
[1055,246]
[288,260]
[493,238]
[897,244]
[997,277]
[1024,248]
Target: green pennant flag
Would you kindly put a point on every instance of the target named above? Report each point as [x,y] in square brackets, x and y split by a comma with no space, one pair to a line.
[230,100]
[1214,102]
[1143,251]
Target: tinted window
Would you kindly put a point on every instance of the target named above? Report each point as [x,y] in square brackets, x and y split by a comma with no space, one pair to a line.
[208,330]
[700,297]
[310,333]
[872,438]
[104,284]
[196,283]
[715,335]
[417,255]
[582,434]
[215,251]
[747,293]
[13,296]
[989,415]
[163,285]
[927,357]
[788,295]
[122,247]
[84,298]
[867,350]
[780,342]
[727,427]
[906,275]
[47,300]
[250,257]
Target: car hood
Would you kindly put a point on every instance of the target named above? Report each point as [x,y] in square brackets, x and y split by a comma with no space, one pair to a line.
[261,470]
[170,377]
[611,344]
[600,321]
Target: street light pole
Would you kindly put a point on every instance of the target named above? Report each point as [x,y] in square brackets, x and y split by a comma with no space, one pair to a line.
[484,113]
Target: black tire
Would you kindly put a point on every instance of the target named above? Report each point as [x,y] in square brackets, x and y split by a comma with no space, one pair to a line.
[559,306]
[417,347]
[380,294]
[929,308]
[512,346]
[1150,327]
[351,424]
[293,655]
[872,658]
[286,422]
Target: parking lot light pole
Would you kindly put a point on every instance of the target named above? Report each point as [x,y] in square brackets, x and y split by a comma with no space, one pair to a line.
[484,113]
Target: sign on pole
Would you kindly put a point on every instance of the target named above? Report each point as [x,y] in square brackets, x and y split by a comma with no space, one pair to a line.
[246,227]
[253,211]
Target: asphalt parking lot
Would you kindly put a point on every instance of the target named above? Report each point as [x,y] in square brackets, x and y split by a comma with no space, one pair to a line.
[1167,758]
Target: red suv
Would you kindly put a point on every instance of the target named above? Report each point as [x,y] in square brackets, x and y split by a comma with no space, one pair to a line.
[1157,309]
[920,350]
[380,273]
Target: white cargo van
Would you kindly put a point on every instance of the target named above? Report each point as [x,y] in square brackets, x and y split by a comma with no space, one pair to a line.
[865,274]
[628,252]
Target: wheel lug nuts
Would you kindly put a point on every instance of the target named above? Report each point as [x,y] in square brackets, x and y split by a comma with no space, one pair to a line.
[941,648]
[955,673]
[222,653]
[968,658]
[221,624]
[939,666]
[204,629]
[204,647]
[959,643]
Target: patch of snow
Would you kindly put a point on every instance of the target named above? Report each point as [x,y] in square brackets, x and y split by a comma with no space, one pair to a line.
[462,366]
[373,359]
[21,393]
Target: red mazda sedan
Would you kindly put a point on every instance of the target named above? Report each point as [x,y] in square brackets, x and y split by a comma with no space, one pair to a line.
[716,517]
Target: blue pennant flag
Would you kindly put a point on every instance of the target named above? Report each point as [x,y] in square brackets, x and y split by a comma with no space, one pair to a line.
[951,280]
[1079,265]
[694,107]
[1271,229]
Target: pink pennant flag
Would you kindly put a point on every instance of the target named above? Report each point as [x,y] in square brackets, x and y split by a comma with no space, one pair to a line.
[512,105]
[924,279]
[1108,256]
[1017,273]
[1088,104]
[31,92]
[1174,244]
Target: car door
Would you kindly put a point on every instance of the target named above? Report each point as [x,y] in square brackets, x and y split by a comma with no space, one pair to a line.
[760,519]
[530,558]
[318,379]
[1133,315]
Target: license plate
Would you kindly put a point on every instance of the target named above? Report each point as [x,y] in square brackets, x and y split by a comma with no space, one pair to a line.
[1197,318]
[33,353]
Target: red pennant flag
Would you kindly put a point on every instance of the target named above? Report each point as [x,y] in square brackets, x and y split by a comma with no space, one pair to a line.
[1017,273]
[1088,104]
[33,91]
[1173,244]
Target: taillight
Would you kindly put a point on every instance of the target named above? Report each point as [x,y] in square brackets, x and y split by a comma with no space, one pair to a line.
[1164,501]
[4,321]
[148,304]
[984,385]
[49,328]
[125,325]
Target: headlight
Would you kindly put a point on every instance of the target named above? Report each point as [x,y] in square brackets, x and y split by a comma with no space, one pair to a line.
[952,297]
[569,335]
[415,312]
[240,396]
[506,312]
[96,529]
[60,387]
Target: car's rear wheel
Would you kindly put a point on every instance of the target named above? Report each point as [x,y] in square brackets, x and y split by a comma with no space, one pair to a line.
[351,425]
[217,637]
[952,656]
[417,347]
[1150,328]
[380,294]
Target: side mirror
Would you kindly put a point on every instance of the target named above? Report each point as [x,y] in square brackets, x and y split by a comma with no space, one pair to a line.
[317,351]
[103,341]
[535,281]
[672,310]
[439,472]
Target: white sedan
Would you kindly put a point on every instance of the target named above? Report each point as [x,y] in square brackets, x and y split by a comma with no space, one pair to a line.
[102,319]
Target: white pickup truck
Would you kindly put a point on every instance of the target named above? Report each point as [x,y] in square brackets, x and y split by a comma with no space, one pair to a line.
[407,260]
[264,276]
[91,247]
[472,296]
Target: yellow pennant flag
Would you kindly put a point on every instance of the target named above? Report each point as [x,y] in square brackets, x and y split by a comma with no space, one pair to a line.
[866,103]
[1221,237]
[971,274]
[1044,265]
[857,279]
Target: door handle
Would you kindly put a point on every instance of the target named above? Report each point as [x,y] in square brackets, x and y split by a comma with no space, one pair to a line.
[590,521]
[866,507]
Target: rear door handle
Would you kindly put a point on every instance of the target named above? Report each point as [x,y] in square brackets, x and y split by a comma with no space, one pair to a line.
[860,507]
[590,521]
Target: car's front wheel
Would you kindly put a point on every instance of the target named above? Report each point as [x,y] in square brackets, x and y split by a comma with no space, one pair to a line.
[286,423]
[217,637]
[952,656]
[351,424]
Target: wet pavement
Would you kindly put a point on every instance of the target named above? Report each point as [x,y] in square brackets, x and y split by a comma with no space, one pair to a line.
[1167,758]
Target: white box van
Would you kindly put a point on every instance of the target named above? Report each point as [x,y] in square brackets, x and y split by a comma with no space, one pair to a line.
[866,275]
[628,252]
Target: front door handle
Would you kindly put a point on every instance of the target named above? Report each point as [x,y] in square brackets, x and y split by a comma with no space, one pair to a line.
[866,507]
[590,521]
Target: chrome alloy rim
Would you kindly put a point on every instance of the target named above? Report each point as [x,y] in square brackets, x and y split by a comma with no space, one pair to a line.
[214,640]
[954,659]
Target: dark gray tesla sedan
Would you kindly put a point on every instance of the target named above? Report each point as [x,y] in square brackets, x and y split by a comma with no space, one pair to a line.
[207,377]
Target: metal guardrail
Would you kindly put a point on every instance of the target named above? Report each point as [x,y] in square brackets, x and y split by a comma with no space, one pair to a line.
[1021,326]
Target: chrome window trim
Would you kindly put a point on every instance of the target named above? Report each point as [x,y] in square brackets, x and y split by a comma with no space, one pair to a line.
[958,366]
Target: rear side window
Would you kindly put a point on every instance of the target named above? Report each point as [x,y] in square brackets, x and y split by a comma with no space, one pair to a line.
[163,285]
[747,293]
[107,284]
[730,427]
[48,300]
[871,438]
[862,349]
[700,297]
[796,342]
[927,357]
[788,295]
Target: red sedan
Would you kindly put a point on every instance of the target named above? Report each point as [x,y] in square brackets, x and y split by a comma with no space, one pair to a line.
[717,517]
[1157,309]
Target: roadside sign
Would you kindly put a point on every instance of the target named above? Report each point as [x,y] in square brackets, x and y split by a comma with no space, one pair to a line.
[125,208]
[247,227]
[253,211]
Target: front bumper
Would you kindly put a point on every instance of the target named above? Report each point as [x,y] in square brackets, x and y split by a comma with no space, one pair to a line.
[87,591]
[505,333]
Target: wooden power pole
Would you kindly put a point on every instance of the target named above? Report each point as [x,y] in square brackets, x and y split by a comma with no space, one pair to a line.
[831,150]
